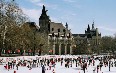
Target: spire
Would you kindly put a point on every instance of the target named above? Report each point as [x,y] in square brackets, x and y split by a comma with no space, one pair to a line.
[43,10]
[93,25]
[44,21]
[66,25]
[88,29]
[88,26]
[44,13]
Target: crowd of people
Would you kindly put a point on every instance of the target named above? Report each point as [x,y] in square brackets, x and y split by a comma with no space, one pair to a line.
[48,63]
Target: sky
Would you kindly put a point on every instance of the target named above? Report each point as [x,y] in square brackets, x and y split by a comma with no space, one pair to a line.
[77,13]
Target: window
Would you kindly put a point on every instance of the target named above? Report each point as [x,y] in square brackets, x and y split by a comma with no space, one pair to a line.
[52,29]
[64,30]
[59,30]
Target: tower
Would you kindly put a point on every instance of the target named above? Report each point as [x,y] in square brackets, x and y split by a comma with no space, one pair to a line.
[88,29]
[66,25]
[44,21]
[93,25]
[66,28]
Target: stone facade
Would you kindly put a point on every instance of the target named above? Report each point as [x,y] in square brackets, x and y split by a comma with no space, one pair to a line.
[59,36]
[91,37]
[61,40]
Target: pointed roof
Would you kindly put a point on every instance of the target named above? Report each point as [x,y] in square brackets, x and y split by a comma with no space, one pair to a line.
[44,14]
[93,25]
[66,25]
[88,29]
[43,10]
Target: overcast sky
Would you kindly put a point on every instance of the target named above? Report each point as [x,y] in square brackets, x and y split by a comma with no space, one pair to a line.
[77,13]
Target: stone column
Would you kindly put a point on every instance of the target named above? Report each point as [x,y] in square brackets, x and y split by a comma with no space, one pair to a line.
[59,49]
[54,49]
[24,52]
[70,49]
[65,49]
[53,45]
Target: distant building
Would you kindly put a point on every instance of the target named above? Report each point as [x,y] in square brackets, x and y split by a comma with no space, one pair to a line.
[60,39]
[91,37]
[49,27]
[58,35]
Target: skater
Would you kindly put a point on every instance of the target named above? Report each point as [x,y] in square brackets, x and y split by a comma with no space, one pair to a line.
[101,64]
[48,62]
[97,68]
[84,66]
[17,66]
[76,63]
[93,63]
[61,62]
[53,71]
[115,63]
[43,69]
[109,65]
[13,64]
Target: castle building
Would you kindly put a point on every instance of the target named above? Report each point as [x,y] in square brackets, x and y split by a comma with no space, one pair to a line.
[59,36]
[91,37]
[60,39]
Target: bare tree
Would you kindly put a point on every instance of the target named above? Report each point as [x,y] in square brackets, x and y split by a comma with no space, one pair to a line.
[11,16]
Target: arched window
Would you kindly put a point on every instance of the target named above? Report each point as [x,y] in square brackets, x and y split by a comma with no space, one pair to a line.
[52,29]
[59,30]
